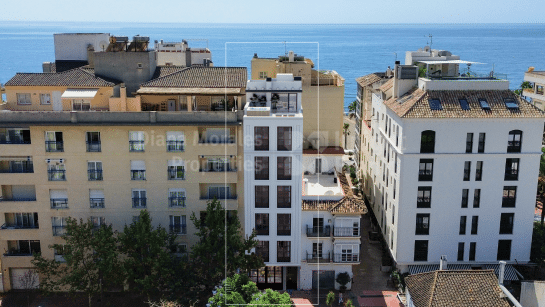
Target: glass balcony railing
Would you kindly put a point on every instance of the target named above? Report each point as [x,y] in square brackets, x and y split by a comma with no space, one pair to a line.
[56,175]
[318,231]
[346,258]
[54,146]
[321,257]
[346,231]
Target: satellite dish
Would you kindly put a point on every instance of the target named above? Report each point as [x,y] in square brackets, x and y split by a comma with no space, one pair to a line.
[103,45]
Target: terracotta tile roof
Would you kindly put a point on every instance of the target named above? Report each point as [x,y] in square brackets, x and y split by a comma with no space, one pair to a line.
[161,71]
[348,204]
[456,289]
[387,85]
[78,77]
[415,104]
[369,79]
[202,77]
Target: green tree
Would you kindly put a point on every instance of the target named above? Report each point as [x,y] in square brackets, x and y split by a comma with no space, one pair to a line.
[92,260]
[221,248]
[148,259]
[272,299]
[330,298]
[523,85]
[537,253]
[346,133]
[237,289]
[352,106]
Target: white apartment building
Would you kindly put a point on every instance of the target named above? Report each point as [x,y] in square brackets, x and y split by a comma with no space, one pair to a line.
[273,130]
[537,81]
[452,164]
[179,54]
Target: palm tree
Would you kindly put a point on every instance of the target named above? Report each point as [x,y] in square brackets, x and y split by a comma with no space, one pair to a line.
[352,108]
[346,133]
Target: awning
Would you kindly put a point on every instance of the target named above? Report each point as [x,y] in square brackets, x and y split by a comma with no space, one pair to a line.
[79,93]
[510,272]
[189,91]
[449,62]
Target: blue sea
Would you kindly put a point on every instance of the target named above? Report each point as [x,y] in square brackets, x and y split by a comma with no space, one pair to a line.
[352,50]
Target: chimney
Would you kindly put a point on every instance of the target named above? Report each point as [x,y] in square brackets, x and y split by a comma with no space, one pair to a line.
[501,273]
[443,263]
[291,56]
[46,66]
[388,72]
[255,55]
[396,77]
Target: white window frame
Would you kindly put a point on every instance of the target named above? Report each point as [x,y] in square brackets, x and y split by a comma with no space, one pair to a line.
[81,103]
[45,99]
[141,195]
[182,222]
[137,136]
[178,193]
[176,166]
[24,98]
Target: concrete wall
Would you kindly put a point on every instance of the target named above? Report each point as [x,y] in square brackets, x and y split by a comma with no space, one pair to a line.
[532,294]
[323,114]
[462,85]
[73,46]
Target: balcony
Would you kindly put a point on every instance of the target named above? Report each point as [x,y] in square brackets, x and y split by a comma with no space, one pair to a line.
[54,146]
[318,258]
[16,167]
[511,174]
[136,146]
[178,229]
[96,203]
[59,231]
[346,258]
[508,202]
[94,147]
[139,203]
[346,231]
[175,146]
[317,231]
[94,175]
[56,175]
[174,174]
[176,202]
[212,140]
[423,202]
[218,168]
[425,175]
[219,197]
[59,203]
[19,226]
[138,175]
[283,259]
[513,146]
[16,199]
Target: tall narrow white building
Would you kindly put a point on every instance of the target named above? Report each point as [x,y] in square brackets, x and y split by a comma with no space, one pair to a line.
[451,164]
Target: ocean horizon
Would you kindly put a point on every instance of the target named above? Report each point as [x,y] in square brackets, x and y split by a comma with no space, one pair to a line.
[352,50]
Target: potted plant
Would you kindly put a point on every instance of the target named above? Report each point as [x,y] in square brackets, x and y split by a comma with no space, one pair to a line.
[343,279]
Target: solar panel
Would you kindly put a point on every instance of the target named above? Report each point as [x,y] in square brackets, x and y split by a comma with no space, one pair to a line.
[435,104]
[464,105]
[484,104]
[511,104]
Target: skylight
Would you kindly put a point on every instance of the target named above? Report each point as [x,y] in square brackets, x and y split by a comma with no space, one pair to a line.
[435,104]
[511,104]
[464,105]
[484,104]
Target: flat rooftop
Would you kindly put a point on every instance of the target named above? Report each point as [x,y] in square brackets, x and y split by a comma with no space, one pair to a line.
[321,185]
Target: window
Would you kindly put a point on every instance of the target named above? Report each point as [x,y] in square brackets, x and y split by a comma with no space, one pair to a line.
[217,165]
[463,222]
[484,104]
[421,250]
[138,198]
[97,221]
[56,170]
[136,141]
[58,225]
[482,137]
[283,251]
[465,196]
[464,105]
[424,197]
[472,250]
[283,168]
[23,247]
[514,142]
[219,193]
[178,224]
[261,138]
[175,141]
[45,99]
[176,169]
[284,139]
[283,225]
[262,224]
[504,250]
[60,251]
[21,220]
[14,136]
[262,196]
[262,250]
[474,224]
[283,196]
[317,250]
[94,170]
[422,224]
[511,104]
[509,197]
[427,142]
[511,169]
[23,98]
[96,199]
[81,105]
[176,198]
[54,141]
[138,170]
[435,104]
[476,198]
[467,170]
[469,143]
[479,171]
[262,75]
[93,142]
[461,251]
[425,170]
[318,166]
[506,223]
[261,168]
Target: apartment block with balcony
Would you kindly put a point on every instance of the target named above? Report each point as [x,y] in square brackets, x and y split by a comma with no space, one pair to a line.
[450,161]
[537,83]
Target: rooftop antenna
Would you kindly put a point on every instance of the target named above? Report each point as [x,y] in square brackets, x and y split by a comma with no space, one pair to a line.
[395,55]
[285,48]
[430,41]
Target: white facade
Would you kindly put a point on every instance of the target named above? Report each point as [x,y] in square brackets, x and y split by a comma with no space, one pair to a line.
[179,54]
[536,93]
[394,186]
[73,46]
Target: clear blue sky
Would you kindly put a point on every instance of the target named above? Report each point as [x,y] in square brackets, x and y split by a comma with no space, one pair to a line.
[258,11]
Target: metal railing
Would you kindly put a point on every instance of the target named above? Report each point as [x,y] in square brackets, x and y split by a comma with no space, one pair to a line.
[176,202]
[59,203]
[283,259]
[18,199]
[138,175]
[318,231]
[262,230]
[318,258]
[19,253]
[508,202]
[219,197]
[139,202]
[13,142]
[346,231]
[94,175]
[511,174]
[96,203]
[346,258]
[222,168]
[15,226]
[425,175]
[178,228]
[513,146]
[54,146]
[27,167]
[59,230]
[176,175]
[94,147]
[136,146]
[56,175]
[217,140]
[423,202]
[175,146]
